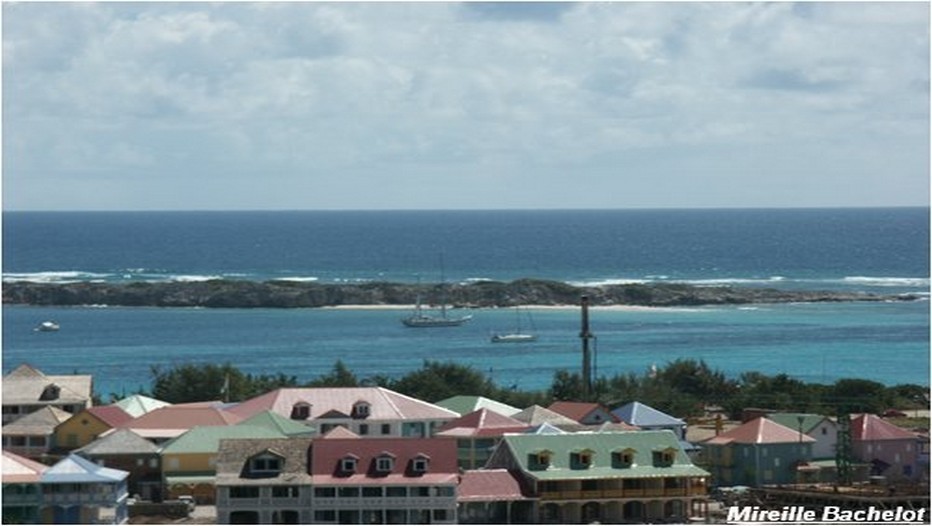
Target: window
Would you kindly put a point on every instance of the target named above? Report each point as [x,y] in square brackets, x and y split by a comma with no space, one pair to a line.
[244,492]
[623,458]
[348,464]
[363,429]
[325,492]
[824,430]
[396,491]
[663,458]
[384,464]
[51,392]
[325,515]
[386,429]
[441,515]
[372,491]
[301,411]
[776,462]
[361,409]
[350,491]
[265,465]
[284,492]
[581,459]
[419,464]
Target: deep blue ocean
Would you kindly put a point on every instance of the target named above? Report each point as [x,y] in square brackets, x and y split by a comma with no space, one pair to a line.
[883,251]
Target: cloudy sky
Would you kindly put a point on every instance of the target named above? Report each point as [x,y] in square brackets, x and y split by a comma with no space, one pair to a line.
[153,106]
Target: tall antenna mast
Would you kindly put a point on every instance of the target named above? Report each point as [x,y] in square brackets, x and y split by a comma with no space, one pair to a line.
[585,336]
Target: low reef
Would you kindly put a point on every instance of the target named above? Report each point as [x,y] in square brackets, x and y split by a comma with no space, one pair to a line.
[480,294]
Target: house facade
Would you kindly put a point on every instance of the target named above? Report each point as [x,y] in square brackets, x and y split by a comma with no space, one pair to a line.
[337,479]
[891,451]
[366,411]
[87,425]
[33,434]
[26,389]
[127,451]
[76,490]
[757,453]
[477,434]
[822,429]
[606,477]
[22,493]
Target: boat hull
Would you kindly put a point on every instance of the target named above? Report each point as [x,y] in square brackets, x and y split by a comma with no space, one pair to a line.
[513,338]
[429,321]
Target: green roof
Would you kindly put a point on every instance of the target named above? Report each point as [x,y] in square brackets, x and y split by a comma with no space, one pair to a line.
[206,439]
[276,422]
[464,405]
[602,445]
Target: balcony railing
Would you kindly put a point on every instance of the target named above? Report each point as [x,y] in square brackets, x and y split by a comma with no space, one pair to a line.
[622,493]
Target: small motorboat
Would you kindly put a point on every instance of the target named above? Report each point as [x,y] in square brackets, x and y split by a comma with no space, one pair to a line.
[47,326]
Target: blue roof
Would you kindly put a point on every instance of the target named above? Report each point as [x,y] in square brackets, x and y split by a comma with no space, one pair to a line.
[641,415]
[76,469]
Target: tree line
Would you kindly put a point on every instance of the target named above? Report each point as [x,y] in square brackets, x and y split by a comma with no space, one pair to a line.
[684,387]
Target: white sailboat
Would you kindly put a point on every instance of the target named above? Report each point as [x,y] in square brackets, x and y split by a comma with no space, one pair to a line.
[420,318]
[518,335]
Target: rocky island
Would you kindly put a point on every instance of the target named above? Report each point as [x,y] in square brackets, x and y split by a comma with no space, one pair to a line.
[289,294]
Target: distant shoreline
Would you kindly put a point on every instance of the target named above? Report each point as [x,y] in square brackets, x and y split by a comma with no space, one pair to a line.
[383,295]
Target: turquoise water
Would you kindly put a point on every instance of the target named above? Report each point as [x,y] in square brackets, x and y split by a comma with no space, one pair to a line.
[882,251]
[886,342]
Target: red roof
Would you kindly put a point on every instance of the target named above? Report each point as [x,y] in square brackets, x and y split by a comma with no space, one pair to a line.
[579,410]
[871,427]
[21,470]
[760,431]
[384,404]
[111,415]
[326,456]
[489,485]
[482,422]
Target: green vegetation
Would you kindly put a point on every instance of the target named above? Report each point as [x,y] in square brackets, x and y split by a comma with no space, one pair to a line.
[682,388]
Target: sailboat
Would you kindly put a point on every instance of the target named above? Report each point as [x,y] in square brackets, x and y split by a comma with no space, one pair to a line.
[517,336]
[420,318]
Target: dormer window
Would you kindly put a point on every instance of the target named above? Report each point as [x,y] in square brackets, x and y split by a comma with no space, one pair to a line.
[385,463]
[540,459]
[348,464]
[581,459]
[664,457]
[265,465]
[623,458]
[51,392]
[420,464]
[361,409]
[301,411]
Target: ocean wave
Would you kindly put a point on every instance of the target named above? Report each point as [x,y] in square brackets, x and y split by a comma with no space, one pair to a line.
[64,276]
[887,281]
[300,279]
[184,278]
[608,282]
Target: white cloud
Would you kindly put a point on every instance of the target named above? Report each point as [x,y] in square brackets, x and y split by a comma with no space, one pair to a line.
[367,98]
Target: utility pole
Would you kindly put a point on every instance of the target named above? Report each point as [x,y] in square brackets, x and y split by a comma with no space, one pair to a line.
[585,336]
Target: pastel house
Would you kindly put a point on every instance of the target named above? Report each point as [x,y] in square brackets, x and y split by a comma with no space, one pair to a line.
[22,493]
[757,453]
[632,476]
[87,425]
[821,428]
[127,451]
[891,451]
[33,435]
[76,490]
[27,389]
[366,411]
[477,434]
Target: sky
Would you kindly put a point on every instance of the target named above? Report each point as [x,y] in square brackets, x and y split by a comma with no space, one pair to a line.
[384,105]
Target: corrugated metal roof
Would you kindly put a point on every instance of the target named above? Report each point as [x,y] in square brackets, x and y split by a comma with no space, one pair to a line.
[75,469]
[536,415]
[489,485]
[760,431]
[643,415]
[464,405]
[867,427]
[40,422]
[482,423]
[119,442]
[20,470]
[384,404]
[25,385]
[791,420]
[138,405]
[207,439]
[602,445]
